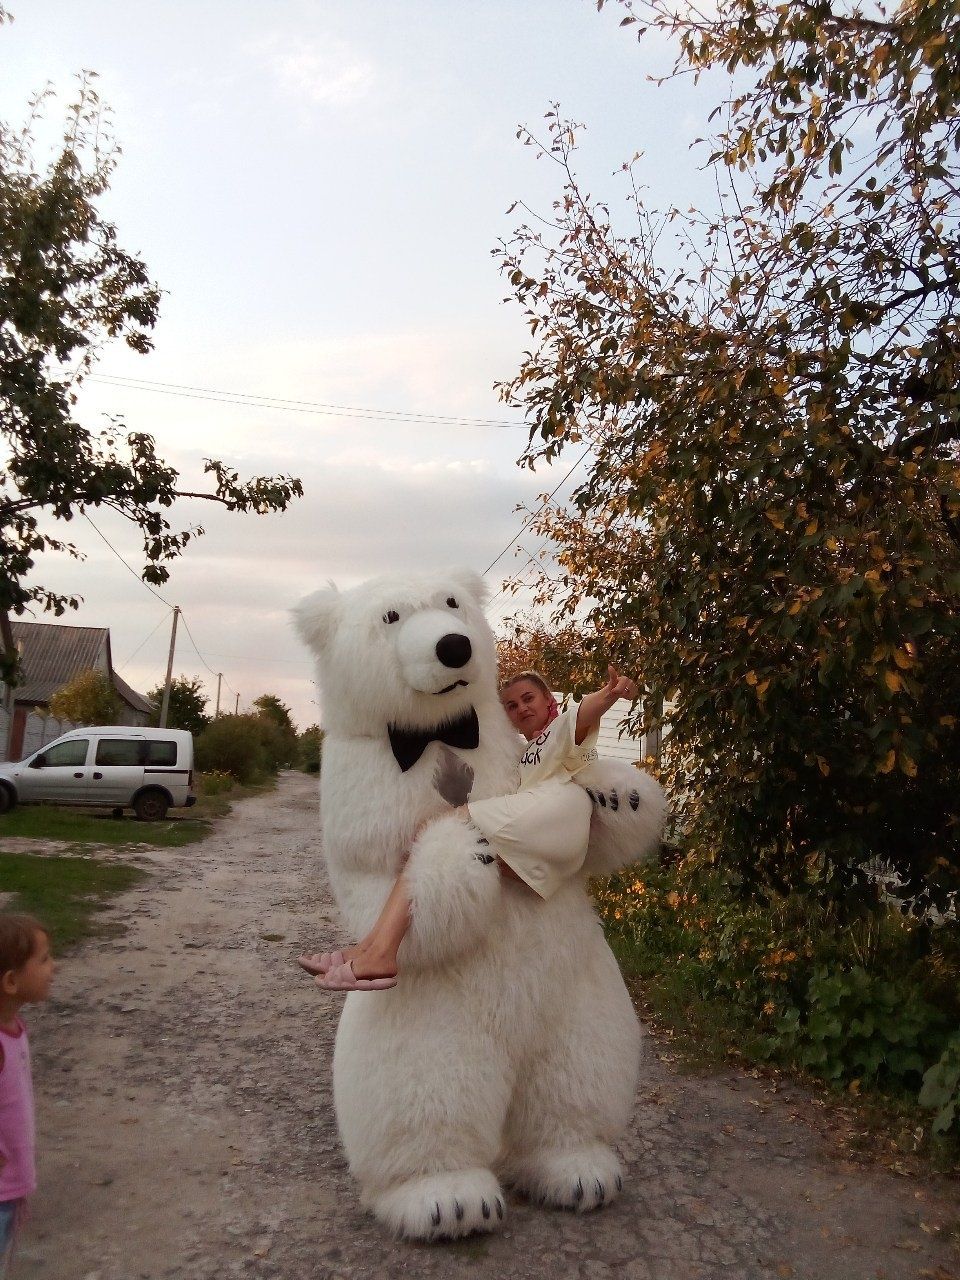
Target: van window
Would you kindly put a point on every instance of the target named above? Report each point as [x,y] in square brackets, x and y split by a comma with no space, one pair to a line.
[65,753]
[162,753]
[118,751]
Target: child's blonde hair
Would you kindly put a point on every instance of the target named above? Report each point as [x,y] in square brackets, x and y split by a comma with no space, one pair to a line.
[18,939]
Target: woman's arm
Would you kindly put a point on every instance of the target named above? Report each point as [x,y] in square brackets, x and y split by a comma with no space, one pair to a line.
[595,705]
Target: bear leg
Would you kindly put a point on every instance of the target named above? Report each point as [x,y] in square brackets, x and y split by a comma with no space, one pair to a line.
[577,1177]
[441,1206]
[578,1096]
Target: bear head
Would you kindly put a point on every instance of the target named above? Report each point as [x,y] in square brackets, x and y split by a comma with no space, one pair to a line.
[412,650]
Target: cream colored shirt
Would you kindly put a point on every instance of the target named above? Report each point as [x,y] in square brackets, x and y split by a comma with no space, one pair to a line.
[541,832]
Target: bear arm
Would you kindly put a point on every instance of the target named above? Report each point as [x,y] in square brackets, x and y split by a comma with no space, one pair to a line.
[629,810]
[453,882]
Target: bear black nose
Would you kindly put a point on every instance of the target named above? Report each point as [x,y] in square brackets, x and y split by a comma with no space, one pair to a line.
[454,650]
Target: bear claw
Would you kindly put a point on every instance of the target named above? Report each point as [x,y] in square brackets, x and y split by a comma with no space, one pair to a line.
[601,1192]
[614,800]
[458,1210]
[499,1208]
[634,798]
[485,1209]
[578,1190]
[437,1215]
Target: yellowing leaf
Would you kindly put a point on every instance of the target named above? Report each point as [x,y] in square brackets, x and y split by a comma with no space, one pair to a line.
[795,607]
[949,721]
[822,765]
[751,677]
[902,658]
[908,766]
[812,528]
[775,518]
[889,760]
[892,681]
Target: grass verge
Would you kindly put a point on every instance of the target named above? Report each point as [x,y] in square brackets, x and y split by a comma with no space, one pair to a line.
[98,826]
[66,893]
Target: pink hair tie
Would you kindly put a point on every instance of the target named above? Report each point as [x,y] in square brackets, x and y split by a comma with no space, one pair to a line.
[554,710]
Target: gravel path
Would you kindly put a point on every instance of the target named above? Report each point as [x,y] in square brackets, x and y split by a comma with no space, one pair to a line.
[186,1128]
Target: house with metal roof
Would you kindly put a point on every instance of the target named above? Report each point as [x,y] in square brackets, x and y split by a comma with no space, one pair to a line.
[50,657]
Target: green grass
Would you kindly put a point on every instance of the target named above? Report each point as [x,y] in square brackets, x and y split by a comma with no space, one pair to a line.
[98,826]
[66,893]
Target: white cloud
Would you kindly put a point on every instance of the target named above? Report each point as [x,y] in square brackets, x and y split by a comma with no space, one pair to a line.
[330,74]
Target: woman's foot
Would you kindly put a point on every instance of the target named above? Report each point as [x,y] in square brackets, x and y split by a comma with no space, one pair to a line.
[343,977]
[323,961]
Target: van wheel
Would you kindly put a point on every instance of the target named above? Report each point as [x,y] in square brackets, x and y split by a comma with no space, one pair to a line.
[7,799]
[151,806]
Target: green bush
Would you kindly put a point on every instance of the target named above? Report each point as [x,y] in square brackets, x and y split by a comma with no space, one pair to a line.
[235,745]
[310,749]
[859,1026]
[871,997]
[941,1088]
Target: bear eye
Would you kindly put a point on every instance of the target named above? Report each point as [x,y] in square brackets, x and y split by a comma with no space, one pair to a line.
[452,602]
[391,616]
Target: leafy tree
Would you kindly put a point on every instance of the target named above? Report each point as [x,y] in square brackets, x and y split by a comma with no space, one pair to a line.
[281,740]
[310,749]
[66,286]
[771,516]
[89,698]
[187,703]
[269,705]
[560,654]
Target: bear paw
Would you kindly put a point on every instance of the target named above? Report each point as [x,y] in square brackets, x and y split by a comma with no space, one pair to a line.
[442,1206]
[578,1179]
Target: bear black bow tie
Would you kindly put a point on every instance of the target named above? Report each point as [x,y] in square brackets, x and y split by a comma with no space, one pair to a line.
[408,745]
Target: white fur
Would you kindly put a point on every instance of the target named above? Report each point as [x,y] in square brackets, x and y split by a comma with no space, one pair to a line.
[509,1050]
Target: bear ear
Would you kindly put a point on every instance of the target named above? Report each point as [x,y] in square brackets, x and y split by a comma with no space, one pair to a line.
[315,615]
[471,584]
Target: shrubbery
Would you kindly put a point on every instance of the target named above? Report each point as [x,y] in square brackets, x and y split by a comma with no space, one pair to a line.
[858,1001]
[239,746]
[309,749]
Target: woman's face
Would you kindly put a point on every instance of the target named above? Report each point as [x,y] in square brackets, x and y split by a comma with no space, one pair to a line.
[528,707]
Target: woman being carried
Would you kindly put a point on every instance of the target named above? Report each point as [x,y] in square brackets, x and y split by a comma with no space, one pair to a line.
[540,833]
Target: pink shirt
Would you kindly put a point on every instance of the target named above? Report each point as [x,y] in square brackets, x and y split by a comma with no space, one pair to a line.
[18,1176]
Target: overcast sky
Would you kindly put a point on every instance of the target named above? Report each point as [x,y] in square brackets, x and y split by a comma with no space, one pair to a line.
[317,186]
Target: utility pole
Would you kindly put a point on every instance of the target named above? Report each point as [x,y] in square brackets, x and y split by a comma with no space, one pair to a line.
[236,709]
[165,705]
[216,714]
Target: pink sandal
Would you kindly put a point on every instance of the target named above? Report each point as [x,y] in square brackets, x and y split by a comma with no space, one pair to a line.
[328,960]
[342,978]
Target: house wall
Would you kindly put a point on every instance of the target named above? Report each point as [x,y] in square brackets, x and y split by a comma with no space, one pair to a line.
[38,731]
[41,729]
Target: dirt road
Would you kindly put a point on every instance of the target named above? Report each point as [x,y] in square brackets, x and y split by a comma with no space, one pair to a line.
[186,1128]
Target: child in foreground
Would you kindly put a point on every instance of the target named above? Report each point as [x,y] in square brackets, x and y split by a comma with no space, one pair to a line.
[26,972]
[540,833]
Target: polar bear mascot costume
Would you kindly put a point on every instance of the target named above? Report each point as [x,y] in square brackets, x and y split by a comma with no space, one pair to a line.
[508,1053]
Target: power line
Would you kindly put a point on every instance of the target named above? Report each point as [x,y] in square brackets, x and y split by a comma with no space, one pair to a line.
[128,568]
[529,520]
[291,405]
[141,644]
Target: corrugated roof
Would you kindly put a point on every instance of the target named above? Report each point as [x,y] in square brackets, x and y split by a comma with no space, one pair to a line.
[131,697]
[52,655]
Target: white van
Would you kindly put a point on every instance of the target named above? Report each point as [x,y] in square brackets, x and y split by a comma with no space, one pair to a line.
[148,770]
